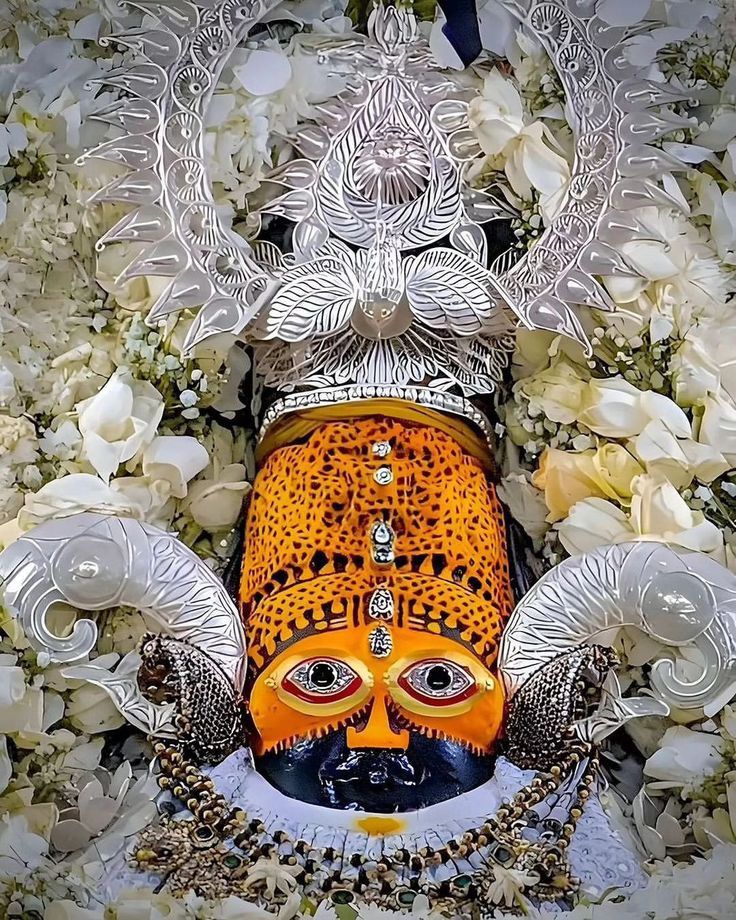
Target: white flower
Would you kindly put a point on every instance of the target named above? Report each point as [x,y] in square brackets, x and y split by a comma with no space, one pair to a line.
[705,362]
[119,421]
[615,408]
[13,140]
[497,115]
[21,705]
[720,207]
[532,164]
[591,523]
[659,512]
[678,459]
[717,426]
[215,504]
[21,851]
[677,268]
[685,758]
[91,710]
[530,160]
[133,496]
[176,459]
[556,392]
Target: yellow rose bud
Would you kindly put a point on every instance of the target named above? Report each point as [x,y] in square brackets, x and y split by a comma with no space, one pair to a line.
[615,468]
[566,478]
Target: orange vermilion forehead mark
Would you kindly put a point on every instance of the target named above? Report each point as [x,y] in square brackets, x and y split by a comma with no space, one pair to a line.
[308,567]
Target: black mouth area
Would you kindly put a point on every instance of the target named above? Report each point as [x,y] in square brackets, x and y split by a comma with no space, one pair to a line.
[325,771]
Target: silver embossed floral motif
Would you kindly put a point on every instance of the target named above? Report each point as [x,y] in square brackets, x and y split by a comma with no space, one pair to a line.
[382,174]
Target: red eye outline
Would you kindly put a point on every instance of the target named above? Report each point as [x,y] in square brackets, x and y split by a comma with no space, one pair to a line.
[347,680]
[469,689]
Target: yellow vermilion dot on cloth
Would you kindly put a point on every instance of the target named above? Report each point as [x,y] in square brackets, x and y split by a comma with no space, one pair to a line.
[311,575]
[378,826]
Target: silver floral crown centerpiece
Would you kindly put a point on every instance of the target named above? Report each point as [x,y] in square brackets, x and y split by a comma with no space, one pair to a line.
[386,280]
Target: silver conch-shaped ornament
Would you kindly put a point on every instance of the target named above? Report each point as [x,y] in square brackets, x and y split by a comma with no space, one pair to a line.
[387,281]
[678,598]
[94,562]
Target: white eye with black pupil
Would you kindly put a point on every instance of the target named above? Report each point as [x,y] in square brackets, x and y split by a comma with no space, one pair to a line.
[325,679]
[438,680]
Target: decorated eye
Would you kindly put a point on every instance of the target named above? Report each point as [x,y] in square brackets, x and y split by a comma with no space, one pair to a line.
[437,682]
[322,680]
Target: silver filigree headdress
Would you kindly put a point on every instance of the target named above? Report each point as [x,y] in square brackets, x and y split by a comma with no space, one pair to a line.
[387,281]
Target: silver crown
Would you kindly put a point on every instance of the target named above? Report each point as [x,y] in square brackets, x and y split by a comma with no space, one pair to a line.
[388,281]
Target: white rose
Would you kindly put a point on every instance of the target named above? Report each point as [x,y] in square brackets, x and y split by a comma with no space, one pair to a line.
[21,706]
[685,758]
[678,459]
[215,504]
[175,458]
[717,426]
[695,367]
[497,115]
[659,512]
[556,392]
[133,496]
[615,408]
[531,163]
[118,422]
[91,710]
[678,260]
[720,207]
[591,523]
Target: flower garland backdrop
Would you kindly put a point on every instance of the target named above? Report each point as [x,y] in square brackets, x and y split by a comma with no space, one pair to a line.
[636,441]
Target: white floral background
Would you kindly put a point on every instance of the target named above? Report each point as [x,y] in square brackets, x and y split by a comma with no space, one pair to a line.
[98,411]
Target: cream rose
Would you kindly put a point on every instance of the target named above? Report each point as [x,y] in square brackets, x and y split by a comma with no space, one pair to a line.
[568,477]
[659,512]
[615,408]
[214,504]
[175,459]
[556,392]
[118,422]
[717,427]
[591,523]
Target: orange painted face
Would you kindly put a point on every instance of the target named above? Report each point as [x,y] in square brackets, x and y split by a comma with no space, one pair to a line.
[375,587]
[425,683]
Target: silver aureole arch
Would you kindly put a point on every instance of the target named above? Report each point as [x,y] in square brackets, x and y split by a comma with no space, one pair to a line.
[381,170]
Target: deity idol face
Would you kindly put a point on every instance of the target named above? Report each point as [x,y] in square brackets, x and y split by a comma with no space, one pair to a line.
[375,585]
